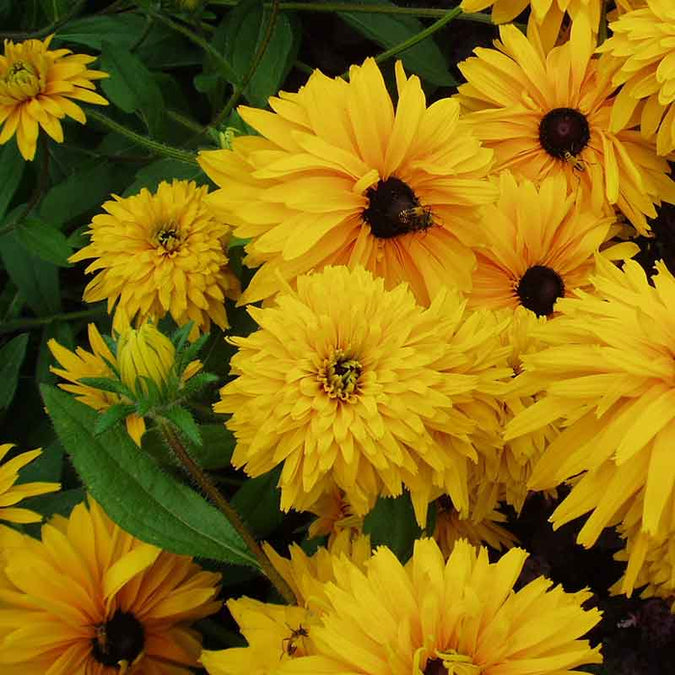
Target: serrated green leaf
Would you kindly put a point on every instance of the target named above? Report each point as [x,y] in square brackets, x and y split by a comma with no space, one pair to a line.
[184,422]
[136,493]
[131,85]
[257,501]
[11,170]
[112,416]
[45,241]
[425,58]
[11,358]
[392,523]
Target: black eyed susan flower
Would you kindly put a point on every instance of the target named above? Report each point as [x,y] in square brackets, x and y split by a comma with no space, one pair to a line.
[350,385]
[608,372]
[460,617]
[641,56]
[90,598]
[340,177]
[159,254]
[548,114]
[11,493]
[36,88]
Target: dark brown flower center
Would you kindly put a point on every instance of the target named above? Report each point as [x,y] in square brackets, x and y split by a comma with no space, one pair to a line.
[539,288]
[435,667]
[394,209]
[339,375]
[168,237]
[564,132]
[119,640]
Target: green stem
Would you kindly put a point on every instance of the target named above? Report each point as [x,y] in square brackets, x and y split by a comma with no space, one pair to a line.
[200,477]
[155,146]
[46,30]
[221,62]
[420,12]
[41,321]
[255,62]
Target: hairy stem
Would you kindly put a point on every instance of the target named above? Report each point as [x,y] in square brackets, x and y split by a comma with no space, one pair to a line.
[211,491]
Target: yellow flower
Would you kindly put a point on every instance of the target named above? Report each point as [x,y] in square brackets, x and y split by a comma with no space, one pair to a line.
[535,245]
[161,253]
[96,363]
[548,114]
[548,14]
[277,633]
[144,353]
[11,494]
[341,178]
[91,598]
[641,54]
[451,527]
[608,373]
[461,617]
[334,514]
[350,385]
[36,85]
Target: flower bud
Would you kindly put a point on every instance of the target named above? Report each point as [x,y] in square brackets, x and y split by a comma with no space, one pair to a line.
[144,352]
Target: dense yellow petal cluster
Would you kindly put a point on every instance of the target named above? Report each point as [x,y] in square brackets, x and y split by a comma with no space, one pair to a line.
[89,597]
[158,254]
[608,373]
[36,88]
[641,55]
[459,617]
[11,493]
[350,385]
[340,177]
[548,113]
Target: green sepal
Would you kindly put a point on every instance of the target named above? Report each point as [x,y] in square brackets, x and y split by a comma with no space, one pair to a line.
[184,422]
[112,416]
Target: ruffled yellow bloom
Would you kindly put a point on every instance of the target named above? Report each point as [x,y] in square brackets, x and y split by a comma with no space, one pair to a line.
[276,633]
[11,494]
[91,598]
[461,617]
[36,85]
[96,363]
[350,385]
[609,374]
[334,514]
[548,14]
[547,114]
[641,54]
[535,245]
[341,178]
[158,254]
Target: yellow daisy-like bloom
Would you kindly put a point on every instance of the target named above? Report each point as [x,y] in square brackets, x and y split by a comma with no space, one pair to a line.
[341,178]
[158,254]
[535,245]
[641,54]
[334,514]
[11,494]
[456,618]
[136,360]
[277,633]
[90,598]
[450,528]
[349,384]
[548,114]
[36,85]
[609,374]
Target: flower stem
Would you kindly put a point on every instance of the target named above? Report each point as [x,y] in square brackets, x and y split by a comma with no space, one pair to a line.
[211,491]
[40,321]
[46,30]
[155,146]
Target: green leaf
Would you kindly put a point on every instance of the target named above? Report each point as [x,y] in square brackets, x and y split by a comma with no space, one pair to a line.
[11,169]
[112,416]
[131,85]
[47,467]
[392,523]
[153,174]
[120,29]
[11,358]
[107,384]
[215,451]
[245,28]
[184,422]
[136,493]
[45,241]
[36,279]
[425,58]
[257,500]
